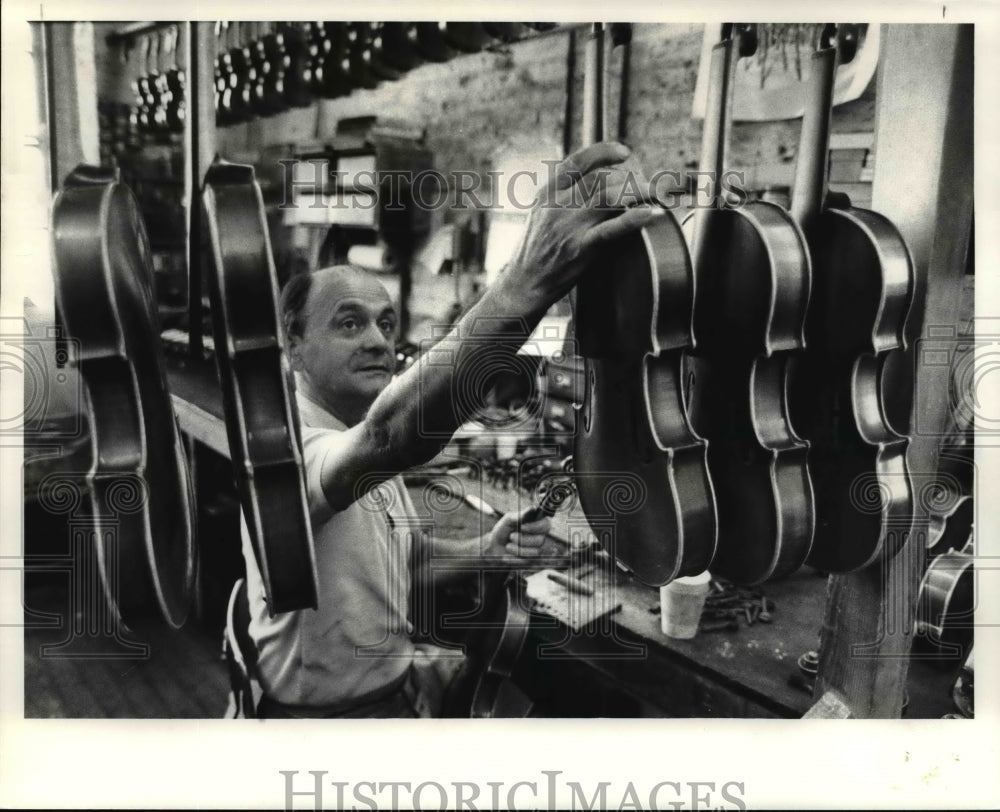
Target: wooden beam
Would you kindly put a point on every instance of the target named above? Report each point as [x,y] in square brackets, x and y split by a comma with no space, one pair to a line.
[71,87]
[199,151]
[829,706]
[923,183]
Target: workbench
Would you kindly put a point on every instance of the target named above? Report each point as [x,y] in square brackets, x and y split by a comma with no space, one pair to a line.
[749,673]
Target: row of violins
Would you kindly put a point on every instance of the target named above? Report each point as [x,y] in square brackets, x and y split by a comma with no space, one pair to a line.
[160,104]
[736,363]
[263,68]
[267,68]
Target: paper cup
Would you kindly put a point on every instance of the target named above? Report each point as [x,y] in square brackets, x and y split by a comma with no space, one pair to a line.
[681,602]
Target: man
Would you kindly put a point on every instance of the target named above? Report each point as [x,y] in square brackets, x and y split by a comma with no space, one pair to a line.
[353,657]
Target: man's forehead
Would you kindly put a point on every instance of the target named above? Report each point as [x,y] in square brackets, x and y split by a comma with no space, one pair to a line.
[334,286]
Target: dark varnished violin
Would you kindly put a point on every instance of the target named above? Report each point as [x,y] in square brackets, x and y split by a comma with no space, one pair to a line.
[240,77]
[328,57]
[294,65]
[863,286]
[640,466]
[258,390]
[753,278]
[138,484]
[394,47]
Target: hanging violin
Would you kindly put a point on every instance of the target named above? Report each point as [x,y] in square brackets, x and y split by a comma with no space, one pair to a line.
[640,467]
[753,277]
[262,420]
[138,484]
[863,287]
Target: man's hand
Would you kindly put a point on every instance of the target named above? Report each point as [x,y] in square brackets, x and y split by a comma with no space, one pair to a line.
[517,539]
[413,417]
[583,207]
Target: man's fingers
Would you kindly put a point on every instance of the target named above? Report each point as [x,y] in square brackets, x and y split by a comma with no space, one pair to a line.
[575,166]
[538,526]
[628,222]
[532,540]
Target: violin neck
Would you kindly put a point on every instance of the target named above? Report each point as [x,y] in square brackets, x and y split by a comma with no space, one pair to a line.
[809,187]
[718,119]
[593,87]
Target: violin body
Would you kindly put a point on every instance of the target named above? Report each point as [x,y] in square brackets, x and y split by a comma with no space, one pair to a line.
[294,66]
[497,650]
[863,289]
[863,286]
[946,607]
[330,79]
[633,324]
[138,482]
[236,98]
[431,43]
[753,275]
[395,47]
[258,389]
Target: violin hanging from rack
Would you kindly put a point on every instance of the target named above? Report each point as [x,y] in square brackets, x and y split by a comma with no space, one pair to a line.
[262,420]
[140,113]
[396,48]
[637,459]
[145,86]
[175,84]
[138,486]
[863,287]
[236,100]
[753,277]
[295,90]
[431,43]
[335,80]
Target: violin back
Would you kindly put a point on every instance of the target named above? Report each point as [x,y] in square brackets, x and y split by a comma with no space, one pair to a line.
[258,389]
[641,470]
[138,489]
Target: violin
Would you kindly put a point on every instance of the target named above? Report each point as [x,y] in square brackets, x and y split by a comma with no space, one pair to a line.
[262,419]
[862,292]
[394,48]
[495,653]
[267,57]
[295,70]
[240,77]
[633,321]
[175,84]
[753,275]
[363,71]
[946,606]
[431,43]
[484,688]
[466,37]
[138,482]
[330,74]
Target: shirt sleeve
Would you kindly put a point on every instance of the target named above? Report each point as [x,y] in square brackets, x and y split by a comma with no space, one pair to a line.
[317,444]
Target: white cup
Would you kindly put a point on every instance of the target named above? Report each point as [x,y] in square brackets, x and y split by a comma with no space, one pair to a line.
[681,602]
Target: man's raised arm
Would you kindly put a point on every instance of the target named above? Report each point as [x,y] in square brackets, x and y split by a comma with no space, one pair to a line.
[410,420]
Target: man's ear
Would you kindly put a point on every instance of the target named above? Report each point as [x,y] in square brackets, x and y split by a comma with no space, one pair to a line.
[293,348]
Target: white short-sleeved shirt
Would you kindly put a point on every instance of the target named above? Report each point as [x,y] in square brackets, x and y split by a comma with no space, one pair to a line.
[358,639]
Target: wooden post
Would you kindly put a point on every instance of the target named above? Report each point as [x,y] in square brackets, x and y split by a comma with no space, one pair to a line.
[923,183]
[199,151]
[71,88]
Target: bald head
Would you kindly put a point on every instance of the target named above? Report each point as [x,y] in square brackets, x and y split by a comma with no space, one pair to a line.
[340,280]
[340,325]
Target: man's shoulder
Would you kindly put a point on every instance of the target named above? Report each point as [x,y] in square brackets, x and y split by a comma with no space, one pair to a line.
[314,417]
